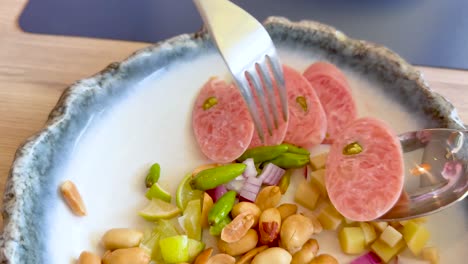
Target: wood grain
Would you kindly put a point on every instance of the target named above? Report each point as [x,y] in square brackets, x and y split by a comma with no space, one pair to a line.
[35,69]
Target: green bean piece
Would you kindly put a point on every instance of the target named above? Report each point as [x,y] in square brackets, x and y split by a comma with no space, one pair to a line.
[222,208]
[291,160]
[153,175]
[295,149]
[263,153]
[215,230]
[209,102]
[352,149]
[302,102]
[212,178]
[284,182]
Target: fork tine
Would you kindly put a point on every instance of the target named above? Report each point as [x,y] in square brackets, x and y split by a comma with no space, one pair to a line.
[252,74]
[244,88]
[280,84]
[265,73]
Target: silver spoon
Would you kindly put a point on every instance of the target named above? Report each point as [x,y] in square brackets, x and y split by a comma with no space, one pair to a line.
[436,177]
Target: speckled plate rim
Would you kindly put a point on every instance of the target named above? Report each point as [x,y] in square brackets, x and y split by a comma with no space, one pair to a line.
[20,243]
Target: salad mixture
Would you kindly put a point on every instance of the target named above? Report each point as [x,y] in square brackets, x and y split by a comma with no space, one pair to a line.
[241,209]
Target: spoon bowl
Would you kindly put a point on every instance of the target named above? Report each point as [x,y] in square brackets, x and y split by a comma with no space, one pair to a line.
[436,173]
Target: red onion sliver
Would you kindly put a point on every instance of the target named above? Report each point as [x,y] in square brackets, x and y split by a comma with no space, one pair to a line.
[217,192]
[251,188]
[368,258]
[250,170]
[236,184]
[271,174]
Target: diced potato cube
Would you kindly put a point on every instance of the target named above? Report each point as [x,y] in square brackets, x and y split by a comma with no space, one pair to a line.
[352,240]
[395,224]
[369,232]
[318,179]
[330,218]
[348,221]
[431,254]
[307,195]
[380,226]
[319,161]
[385,252]
[416,237]
[391,236]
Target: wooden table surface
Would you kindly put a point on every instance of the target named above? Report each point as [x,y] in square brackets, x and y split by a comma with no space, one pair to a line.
[35,69]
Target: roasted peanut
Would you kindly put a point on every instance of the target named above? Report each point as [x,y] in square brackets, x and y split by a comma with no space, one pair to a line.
[246,243]
[324,259]
[237,228]
[121,238]
[89,258]
[275,255]
[247,257]
[134,255]
[206,207]
[307,253]
[204,256]
[222,259]
[295,231]
[269,225]
[287,210]
[268,197]
[246,207]
[73,198]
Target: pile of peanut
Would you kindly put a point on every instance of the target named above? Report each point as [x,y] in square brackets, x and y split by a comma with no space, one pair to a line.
[265,232]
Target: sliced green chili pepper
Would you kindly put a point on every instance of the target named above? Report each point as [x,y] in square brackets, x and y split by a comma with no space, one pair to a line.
[284,182]
[209,102]
[302,102]
[291,160]
[295,149]
[263,153]
[222,208]
[153,175]
[211,178]
[215,230]
[352,149]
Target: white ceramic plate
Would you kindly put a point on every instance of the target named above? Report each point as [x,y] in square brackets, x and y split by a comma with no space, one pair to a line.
[107,130]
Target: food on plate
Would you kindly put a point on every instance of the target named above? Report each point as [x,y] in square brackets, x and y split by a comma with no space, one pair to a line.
[153,175]
[307,120]
[73,198]
[352,240]
[244,201]
[367,158]
[333,90]
[221,121]
[89,258]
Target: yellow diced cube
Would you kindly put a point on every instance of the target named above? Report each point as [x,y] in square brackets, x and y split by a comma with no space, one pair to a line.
[431,254]
[349,222]
[380,226]
[330,218]
[307,195]
[352,240]
[391,236]
[385,252]
[318,179]
[319,161]
[416,237]
[369,232]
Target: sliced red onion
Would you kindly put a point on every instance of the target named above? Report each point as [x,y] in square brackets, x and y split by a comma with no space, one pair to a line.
[271,174]
[217,192]
[250,171]
[236,184]
[368,258]
[250,189]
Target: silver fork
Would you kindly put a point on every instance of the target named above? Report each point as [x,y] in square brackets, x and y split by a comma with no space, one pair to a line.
[247,50]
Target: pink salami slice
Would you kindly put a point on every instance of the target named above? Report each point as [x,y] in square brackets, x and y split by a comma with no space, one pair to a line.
[335,95]
[221,122]
[307,120]
[365,185]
